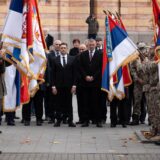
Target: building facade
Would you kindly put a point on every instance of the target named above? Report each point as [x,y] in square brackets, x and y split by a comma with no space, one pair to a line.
[65,19]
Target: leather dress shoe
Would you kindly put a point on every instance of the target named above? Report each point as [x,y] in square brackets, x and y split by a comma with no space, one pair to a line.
[39,123]
[16,117]
[86,124]
[57,124]
[0,132]
[10,124]
[124,125]
[51,121]
[99,125]
[71,124]
[79,122]
[113,126]
[22,121]
[65,121]
[0,152]
[157,143]
[26,123]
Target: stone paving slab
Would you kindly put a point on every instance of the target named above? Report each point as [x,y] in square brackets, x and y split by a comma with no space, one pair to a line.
[48,156]
[88,143]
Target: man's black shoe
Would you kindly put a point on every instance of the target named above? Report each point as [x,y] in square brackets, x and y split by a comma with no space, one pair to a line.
[124,125]
[71,124]
[79,122]
[27,123]
[0,132]
[57,124]
[51,121]
[39,123]
[134,123]
[86,124]
[11,124]
[113,126]
[16,117]
[0,152]
[142,122]
[157,143]
[99,125]
[65,121]
[103,121]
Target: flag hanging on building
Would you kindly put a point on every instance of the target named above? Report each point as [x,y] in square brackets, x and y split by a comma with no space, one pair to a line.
[24,46]
[120,50]
[156,25]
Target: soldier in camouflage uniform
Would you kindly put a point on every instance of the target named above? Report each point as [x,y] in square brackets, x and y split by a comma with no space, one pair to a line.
[154,98]
[138,86]
[152,92]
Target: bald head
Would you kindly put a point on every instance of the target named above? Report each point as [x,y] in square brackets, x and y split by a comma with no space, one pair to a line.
[82,48]
[56,45]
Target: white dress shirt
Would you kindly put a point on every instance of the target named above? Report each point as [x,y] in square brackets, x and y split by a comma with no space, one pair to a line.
[61,58]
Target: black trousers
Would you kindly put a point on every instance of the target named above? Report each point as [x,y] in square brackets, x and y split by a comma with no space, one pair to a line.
[143,108]
[64,104]
[118,111]
[92,36]
[79,94]
[10,116]
[26,111]
[51,103]
[37,102]
[103,105]
[91,104]
[47,101]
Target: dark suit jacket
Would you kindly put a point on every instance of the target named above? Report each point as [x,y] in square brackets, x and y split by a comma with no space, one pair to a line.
[91,68]
[63,76]
[74,52]
[49,40]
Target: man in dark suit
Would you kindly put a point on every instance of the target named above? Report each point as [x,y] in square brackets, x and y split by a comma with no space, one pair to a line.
[51,101]
[64,85]
[48,38]
[90,68]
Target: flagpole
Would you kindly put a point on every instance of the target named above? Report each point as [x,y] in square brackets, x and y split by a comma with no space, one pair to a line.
[119,7]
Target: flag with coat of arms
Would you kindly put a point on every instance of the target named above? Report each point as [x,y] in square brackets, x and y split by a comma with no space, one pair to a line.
[24,47]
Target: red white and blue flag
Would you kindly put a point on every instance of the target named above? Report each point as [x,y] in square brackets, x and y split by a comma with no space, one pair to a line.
[120,50]
[156,22]
[24,47]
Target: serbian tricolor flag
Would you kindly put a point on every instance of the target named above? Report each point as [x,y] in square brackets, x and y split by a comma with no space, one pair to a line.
[125,69]
[23,46]
[156,23]
[120,50]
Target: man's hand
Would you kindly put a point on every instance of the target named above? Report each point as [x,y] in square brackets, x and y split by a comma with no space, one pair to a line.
[73,90]
[140,81]
[88,78]
[54,90]
[92,79]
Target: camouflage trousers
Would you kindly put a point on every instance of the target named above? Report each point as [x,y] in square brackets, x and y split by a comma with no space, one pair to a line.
[138,92]
[149,108]
[153,99]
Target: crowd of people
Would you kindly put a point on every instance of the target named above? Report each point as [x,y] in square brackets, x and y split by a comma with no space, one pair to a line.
[78,71]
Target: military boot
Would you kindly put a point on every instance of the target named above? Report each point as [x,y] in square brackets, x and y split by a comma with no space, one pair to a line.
[135,120]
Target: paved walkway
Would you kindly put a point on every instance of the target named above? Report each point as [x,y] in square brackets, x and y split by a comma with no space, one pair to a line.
[64,142]
[66,156]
